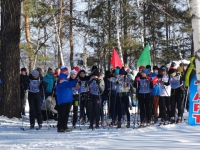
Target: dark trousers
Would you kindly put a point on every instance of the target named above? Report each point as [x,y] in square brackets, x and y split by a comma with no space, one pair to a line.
[22,107]
[176,100]
[84,103]
[94,109]
[145,107]
[164,104]
[63,115]
[34,107]
[122,107]
[113,107]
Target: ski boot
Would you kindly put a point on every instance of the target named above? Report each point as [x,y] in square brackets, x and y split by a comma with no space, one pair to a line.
[90,127]
[172,120]
[32,126]
[119,125]
[148,123]
[128,124]
[60,130]
[68,130]
[40,126]
[179,120]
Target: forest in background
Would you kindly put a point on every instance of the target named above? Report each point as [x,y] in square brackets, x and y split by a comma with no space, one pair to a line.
[84,32]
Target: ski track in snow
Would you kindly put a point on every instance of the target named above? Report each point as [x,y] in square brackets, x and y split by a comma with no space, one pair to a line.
[181,136]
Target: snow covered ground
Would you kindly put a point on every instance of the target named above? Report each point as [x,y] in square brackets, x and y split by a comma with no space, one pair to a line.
[181,136]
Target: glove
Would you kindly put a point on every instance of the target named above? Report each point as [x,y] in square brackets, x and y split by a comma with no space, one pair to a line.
[98,81]
[137,79]
[155,80]
[79,82]
[148,78]
[117,82]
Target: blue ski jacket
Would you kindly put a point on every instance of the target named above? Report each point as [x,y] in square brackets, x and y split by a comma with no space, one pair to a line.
[63,89]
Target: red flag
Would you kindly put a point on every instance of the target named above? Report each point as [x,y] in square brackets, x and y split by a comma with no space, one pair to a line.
[115,60]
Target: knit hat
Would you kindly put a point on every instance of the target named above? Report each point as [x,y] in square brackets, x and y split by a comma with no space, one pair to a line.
[23,69]
[94,68]
[73,72]
[148,67]
[63,69]
[96,73]
[35,73]
[172,71]
[173,64]
[122,71]
[180,69]
[141,68]
[164,68]
[77,69]
[155,68]
[116,71]
[82,71]
[146,71]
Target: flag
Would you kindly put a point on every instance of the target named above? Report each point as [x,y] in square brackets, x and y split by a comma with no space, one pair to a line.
[115,60]
[145,57]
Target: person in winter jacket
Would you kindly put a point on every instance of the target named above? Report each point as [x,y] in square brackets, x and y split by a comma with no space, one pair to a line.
[107,85]
[96,88]
[113,86]
[24,80]
[35,86]
[131,77]
[75,102]
[42,91]
[84,91]
[56,74]
[149,68]
[176,83]
[49,78]
[122,97]
[144,85]
[155,93]
[64,99]
[165,94]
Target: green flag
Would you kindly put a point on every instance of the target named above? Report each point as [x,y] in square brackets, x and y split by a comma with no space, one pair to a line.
[145,57]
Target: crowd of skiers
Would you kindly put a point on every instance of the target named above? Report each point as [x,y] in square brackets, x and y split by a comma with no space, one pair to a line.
[163,88]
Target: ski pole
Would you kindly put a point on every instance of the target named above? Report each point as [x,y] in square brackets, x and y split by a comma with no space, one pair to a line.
[45,108]
[80,110]
[22,114]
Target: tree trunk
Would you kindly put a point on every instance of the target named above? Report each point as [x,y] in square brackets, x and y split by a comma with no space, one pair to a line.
[125,23]
[85,56]
[60,57]
[10,58]
[109,33]
[61,4]
[140,23]
[28,37]
[195,12]
[71,35]
[117,13]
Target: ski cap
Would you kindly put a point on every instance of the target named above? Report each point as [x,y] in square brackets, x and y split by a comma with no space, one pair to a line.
[35,73]
[73,72]
[146,71]
[63,69]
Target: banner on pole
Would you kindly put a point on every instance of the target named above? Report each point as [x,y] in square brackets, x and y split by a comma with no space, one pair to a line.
[194,103]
